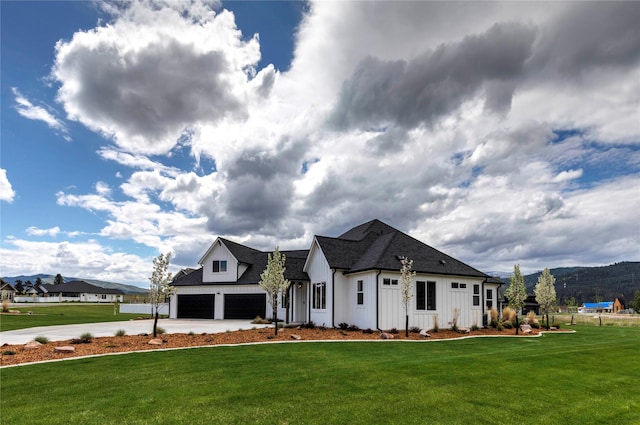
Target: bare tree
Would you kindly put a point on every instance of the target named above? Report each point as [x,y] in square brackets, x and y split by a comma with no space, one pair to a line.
[160,288]
[406,281]
[273,282]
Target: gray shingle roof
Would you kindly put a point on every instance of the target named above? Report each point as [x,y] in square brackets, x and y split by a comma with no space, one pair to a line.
[80,286]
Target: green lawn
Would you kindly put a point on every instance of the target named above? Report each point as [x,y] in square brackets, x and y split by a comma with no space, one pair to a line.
[590,377]
[63,314]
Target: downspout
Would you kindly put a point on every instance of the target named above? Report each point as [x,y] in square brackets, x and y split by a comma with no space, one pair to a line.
[333,298]
[377,299]
[485,318]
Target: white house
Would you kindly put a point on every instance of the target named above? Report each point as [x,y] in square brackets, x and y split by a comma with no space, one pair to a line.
[353,278]
[74,291]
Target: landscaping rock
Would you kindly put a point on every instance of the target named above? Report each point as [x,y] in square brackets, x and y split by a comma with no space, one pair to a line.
[385,335]
[33,345]
[525,328]
[464,330]
[155,341]
[64,349]
[294,336]
[425,334]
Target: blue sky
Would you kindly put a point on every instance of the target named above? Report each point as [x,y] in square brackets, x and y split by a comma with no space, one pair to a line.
[500,133]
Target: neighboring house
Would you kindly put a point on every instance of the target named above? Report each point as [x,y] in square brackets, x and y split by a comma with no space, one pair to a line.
[7,290]
[76,290]
[601,307]
[351,279]
[618,305]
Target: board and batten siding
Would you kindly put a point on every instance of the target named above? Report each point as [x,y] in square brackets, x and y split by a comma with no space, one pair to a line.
[392,313]
[221,253]
[318,270]
[347,308]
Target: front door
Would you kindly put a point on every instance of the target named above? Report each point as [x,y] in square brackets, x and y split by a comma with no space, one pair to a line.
[300,303]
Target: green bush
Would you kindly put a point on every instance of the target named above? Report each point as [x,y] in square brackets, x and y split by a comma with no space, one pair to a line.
[8,353]
[393,331]
[475,328]
[160,330]
[343,326]
[507,324]
[42,339]
[121,332]
[415,329]
[353,328]
[86,335]
[260,321]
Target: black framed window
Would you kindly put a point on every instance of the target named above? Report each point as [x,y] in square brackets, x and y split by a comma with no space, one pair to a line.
[360,292]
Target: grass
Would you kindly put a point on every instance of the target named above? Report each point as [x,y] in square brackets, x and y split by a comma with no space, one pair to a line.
[585,378]
[63,314]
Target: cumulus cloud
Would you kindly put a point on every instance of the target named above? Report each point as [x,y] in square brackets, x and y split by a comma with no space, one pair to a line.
[6,191]
[155,72]
[34,231]
[33,112]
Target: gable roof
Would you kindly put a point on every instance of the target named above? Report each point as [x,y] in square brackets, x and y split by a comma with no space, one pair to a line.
[256,262]
[79,286]
[377,246]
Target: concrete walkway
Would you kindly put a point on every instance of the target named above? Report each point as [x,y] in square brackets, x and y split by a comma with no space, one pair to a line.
[131,327]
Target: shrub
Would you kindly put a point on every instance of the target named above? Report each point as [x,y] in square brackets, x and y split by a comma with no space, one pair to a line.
[85,338]
[393,331]
[309,325]
[454,322]
[499,327]
[367,331]
[42,339]
[508,314]
[110,346]
[493,313]
[8,353]
[531,317]
[353,328]
[415,329]
[5,306]
[436,327]
[474,327]
[260,321]
[507,324]
[121,332]
[343,326]
[160,330]
[535,325]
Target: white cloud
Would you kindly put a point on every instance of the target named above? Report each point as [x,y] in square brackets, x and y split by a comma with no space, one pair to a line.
[6,191]
[34,231]
[38,113]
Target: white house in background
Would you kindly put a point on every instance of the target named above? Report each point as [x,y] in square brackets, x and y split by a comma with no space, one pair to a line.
[353,278]
[74,291]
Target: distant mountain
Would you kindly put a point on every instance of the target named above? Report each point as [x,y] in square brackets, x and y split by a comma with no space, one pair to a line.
[47,278]
[587,284]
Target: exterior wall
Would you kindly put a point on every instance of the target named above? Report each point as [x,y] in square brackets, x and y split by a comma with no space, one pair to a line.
[319,271]
[220,291]
[391,309]
[7,295]
[347,308]
[219,252]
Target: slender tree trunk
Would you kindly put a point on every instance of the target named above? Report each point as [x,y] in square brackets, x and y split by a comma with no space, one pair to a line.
[155,324]
[275,318]
[547,320]
[517,323]
[406,326]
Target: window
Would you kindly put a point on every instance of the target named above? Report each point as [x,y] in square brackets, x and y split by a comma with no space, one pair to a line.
[463,286]
[219,266]
[319,301]
[476,294]
[388,281]
[454,285]
[425,295]
[394,281]
[360,292]
[489,298]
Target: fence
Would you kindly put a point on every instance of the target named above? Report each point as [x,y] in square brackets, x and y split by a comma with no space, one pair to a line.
[144,308]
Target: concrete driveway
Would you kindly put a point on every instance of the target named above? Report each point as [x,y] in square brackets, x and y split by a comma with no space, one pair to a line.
[131,327]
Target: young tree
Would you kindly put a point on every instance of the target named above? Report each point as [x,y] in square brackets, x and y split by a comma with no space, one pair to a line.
[516,292]
[406,290]
[273,282]
[545,292]
[58,280]
[160,287]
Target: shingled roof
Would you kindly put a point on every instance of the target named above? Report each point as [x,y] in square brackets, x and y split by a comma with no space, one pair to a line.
[377,246]
[257,262]
[80,287]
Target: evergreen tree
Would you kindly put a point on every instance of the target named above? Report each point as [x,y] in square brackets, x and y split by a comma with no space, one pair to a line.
[58,280]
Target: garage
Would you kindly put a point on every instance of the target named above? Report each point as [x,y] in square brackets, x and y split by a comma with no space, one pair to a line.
[244,306]
[196,306]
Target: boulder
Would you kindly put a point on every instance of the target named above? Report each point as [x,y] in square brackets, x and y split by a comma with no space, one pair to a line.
[526,329]
[294,336]
[33,345]
[425,334]
[64,349]
[385,335]
[464,330]
[155,341]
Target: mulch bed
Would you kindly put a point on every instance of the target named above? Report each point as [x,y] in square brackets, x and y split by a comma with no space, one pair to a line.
[128,343]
